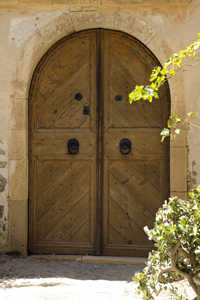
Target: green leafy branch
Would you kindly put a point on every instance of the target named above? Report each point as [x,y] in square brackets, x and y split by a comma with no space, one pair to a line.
[159,74]
[174,121]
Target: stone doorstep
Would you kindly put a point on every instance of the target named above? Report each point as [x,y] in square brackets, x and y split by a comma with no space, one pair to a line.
[115,260]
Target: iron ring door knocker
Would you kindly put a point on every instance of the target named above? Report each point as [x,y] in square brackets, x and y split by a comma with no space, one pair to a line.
[73,146]
[125,146]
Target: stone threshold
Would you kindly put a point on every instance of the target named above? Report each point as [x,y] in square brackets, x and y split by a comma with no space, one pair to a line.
[115,260]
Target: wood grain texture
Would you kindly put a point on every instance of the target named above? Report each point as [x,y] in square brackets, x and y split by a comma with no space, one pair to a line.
[99,200]
[136,184]
[62,189]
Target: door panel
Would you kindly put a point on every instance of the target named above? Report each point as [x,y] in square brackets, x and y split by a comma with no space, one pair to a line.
[99,200]
[62,190]
[136,184]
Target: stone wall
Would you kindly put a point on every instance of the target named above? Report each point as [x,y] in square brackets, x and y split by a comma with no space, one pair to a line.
[28,28]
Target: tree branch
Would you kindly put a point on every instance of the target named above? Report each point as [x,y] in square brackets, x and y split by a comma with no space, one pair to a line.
[183,274]
[163,271]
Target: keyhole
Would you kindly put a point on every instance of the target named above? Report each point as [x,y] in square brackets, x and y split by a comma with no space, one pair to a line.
[86,110]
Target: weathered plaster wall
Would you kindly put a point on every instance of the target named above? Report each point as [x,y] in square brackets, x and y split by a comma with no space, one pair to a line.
[28,28]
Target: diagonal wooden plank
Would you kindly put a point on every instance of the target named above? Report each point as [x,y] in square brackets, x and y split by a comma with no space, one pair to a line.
[131,206]
[150,170]
[114,237]
[60,187]
[114,123]
[125,113]
[63,97]
[86,123]
[71,223]
[137,185]
[60,68]
[64,205]
[132,61]
[50,172]
[40,163]
[123,83]
[126,228]
[73,117]
[82,235]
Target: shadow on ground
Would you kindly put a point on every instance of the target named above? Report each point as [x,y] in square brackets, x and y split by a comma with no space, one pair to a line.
[24,268]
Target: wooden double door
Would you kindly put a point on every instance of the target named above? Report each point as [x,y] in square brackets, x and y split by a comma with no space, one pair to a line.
[97,169]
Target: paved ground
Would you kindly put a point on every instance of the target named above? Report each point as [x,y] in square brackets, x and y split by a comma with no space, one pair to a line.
[25,279]
[30,279]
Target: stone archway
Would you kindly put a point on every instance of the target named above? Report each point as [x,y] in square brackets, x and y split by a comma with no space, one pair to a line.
[59,27]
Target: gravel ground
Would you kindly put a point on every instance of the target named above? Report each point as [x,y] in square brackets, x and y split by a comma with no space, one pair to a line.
[22,279]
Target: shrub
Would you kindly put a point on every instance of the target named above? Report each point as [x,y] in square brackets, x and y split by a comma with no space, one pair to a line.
[177,236]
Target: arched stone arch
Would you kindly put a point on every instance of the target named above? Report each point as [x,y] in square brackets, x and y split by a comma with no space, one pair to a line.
[68,23]
[63,25]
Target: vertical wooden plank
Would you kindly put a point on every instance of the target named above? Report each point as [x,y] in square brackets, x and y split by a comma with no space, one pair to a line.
[93,82]
[94,126]
[32,200]
[105,204]
[106,78]
[99,140]
[93,204]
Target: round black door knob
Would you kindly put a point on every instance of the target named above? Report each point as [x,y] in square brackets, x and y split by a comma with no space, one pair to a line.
[125,146]
[78,96]
[73,146]
[118,98]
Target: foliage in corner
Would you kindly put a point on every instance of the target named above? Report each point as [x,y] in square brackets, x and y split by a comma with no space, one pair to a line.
[177,236]
[158,76]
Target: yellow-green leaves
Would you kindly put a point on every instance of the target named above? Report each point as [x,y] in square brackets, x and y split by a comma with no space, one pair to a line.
[158,75]
[176,234]
[192,114]
[172,122]
[182,222]
[172,72]
[146,93]
[155,73]
[173,228]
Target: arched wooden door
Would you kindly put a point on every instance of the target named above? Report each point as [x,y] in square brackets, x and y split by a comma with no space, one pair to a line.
[98,200]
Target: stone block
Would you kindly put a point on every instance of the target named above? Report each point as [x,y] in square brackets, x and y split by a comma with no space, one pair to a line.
[117,2]
[178,107]
[5,87]
[131,24]
[9,1]
[36,1]
[3,184]
[114,260]
[18,225]
[18,185]
[18,145]
[95,19]
[19,114]
[56,28]
[73,2]
[180,195]
[160,48]
[178,169]
[180,110]
[166,1]
[180,140]
[4,115]
[4,136]
[177,89]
